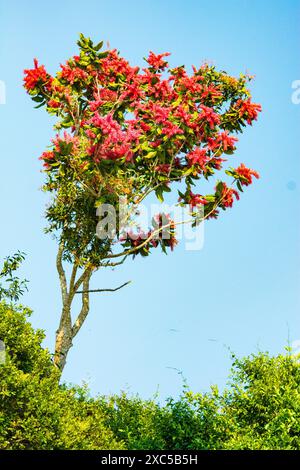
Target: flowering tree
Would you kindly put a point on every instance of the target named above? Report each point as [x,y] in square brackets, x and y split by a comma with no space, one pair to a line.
[122,131]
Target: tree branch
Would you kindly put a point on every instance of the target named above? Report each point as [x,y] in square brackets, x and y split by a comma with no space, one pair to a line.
[73,277]
[81,279]
[160,229]
[85,306]
[113,265]
[103,290]
[147,240]
[61,272]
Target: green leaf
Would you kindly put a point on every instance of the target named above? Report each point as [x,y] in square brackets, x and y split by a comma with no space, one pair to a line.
[239,186]
[102,55]
[219,188]
[159,194]
[38,99]
[98,46]
[151,154]
[40,105]
[166,189]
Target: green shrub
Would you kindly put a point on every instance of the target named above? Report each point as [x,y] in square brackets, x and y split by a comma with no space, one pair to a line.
[35,412]
[259,409]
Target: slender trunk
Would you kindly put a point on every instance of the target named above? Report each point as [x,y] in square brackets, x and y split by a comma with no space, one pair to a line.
[63,342]
[67,330]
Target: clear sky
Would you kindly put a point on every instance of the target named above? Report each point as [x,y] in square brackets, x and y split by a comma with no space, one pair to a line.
[241,291]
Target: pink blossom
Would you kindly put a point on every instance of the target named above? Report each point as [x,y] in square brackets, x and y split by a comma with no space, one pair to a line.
[209,116]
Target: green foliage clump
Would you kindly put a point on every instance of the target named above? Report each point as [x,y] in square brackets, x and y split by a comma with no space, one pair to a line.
[259,409]
[263,403]
[35,412]
[13,287]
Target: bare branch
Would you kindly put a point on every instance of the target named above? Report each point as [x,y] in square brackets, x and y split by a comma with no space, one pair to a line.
[103,290]
[113,265]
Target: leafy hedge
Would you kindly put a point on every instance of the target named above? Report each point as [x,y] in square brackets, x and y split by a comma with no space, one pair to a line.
[260,408]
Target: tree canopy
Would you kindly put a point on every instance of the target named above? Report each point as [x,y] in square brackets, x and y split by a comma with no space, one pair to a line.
[129,132]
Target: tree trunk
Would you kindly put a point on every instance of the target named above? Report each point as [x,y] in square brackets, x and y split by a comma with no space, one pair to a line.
[63,344]
[67,331]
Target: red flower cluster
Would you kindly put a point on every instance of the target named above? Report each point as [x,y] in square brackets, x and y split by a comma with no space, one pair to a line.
[35,76]
[198,157]
[47,157]
[170,129]
[54,104]
[246,174]
[196,200]
[164,230]
[72,74]
[156,60]
[227,141]
[117,142]
[67,139]
[163,168]
[162,234]
[227,198]
[248,110]
[209,116]
[212,92]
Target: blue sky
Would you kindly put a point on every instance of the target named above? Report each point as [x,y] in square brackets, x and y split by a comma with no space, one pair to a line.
[241,291]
